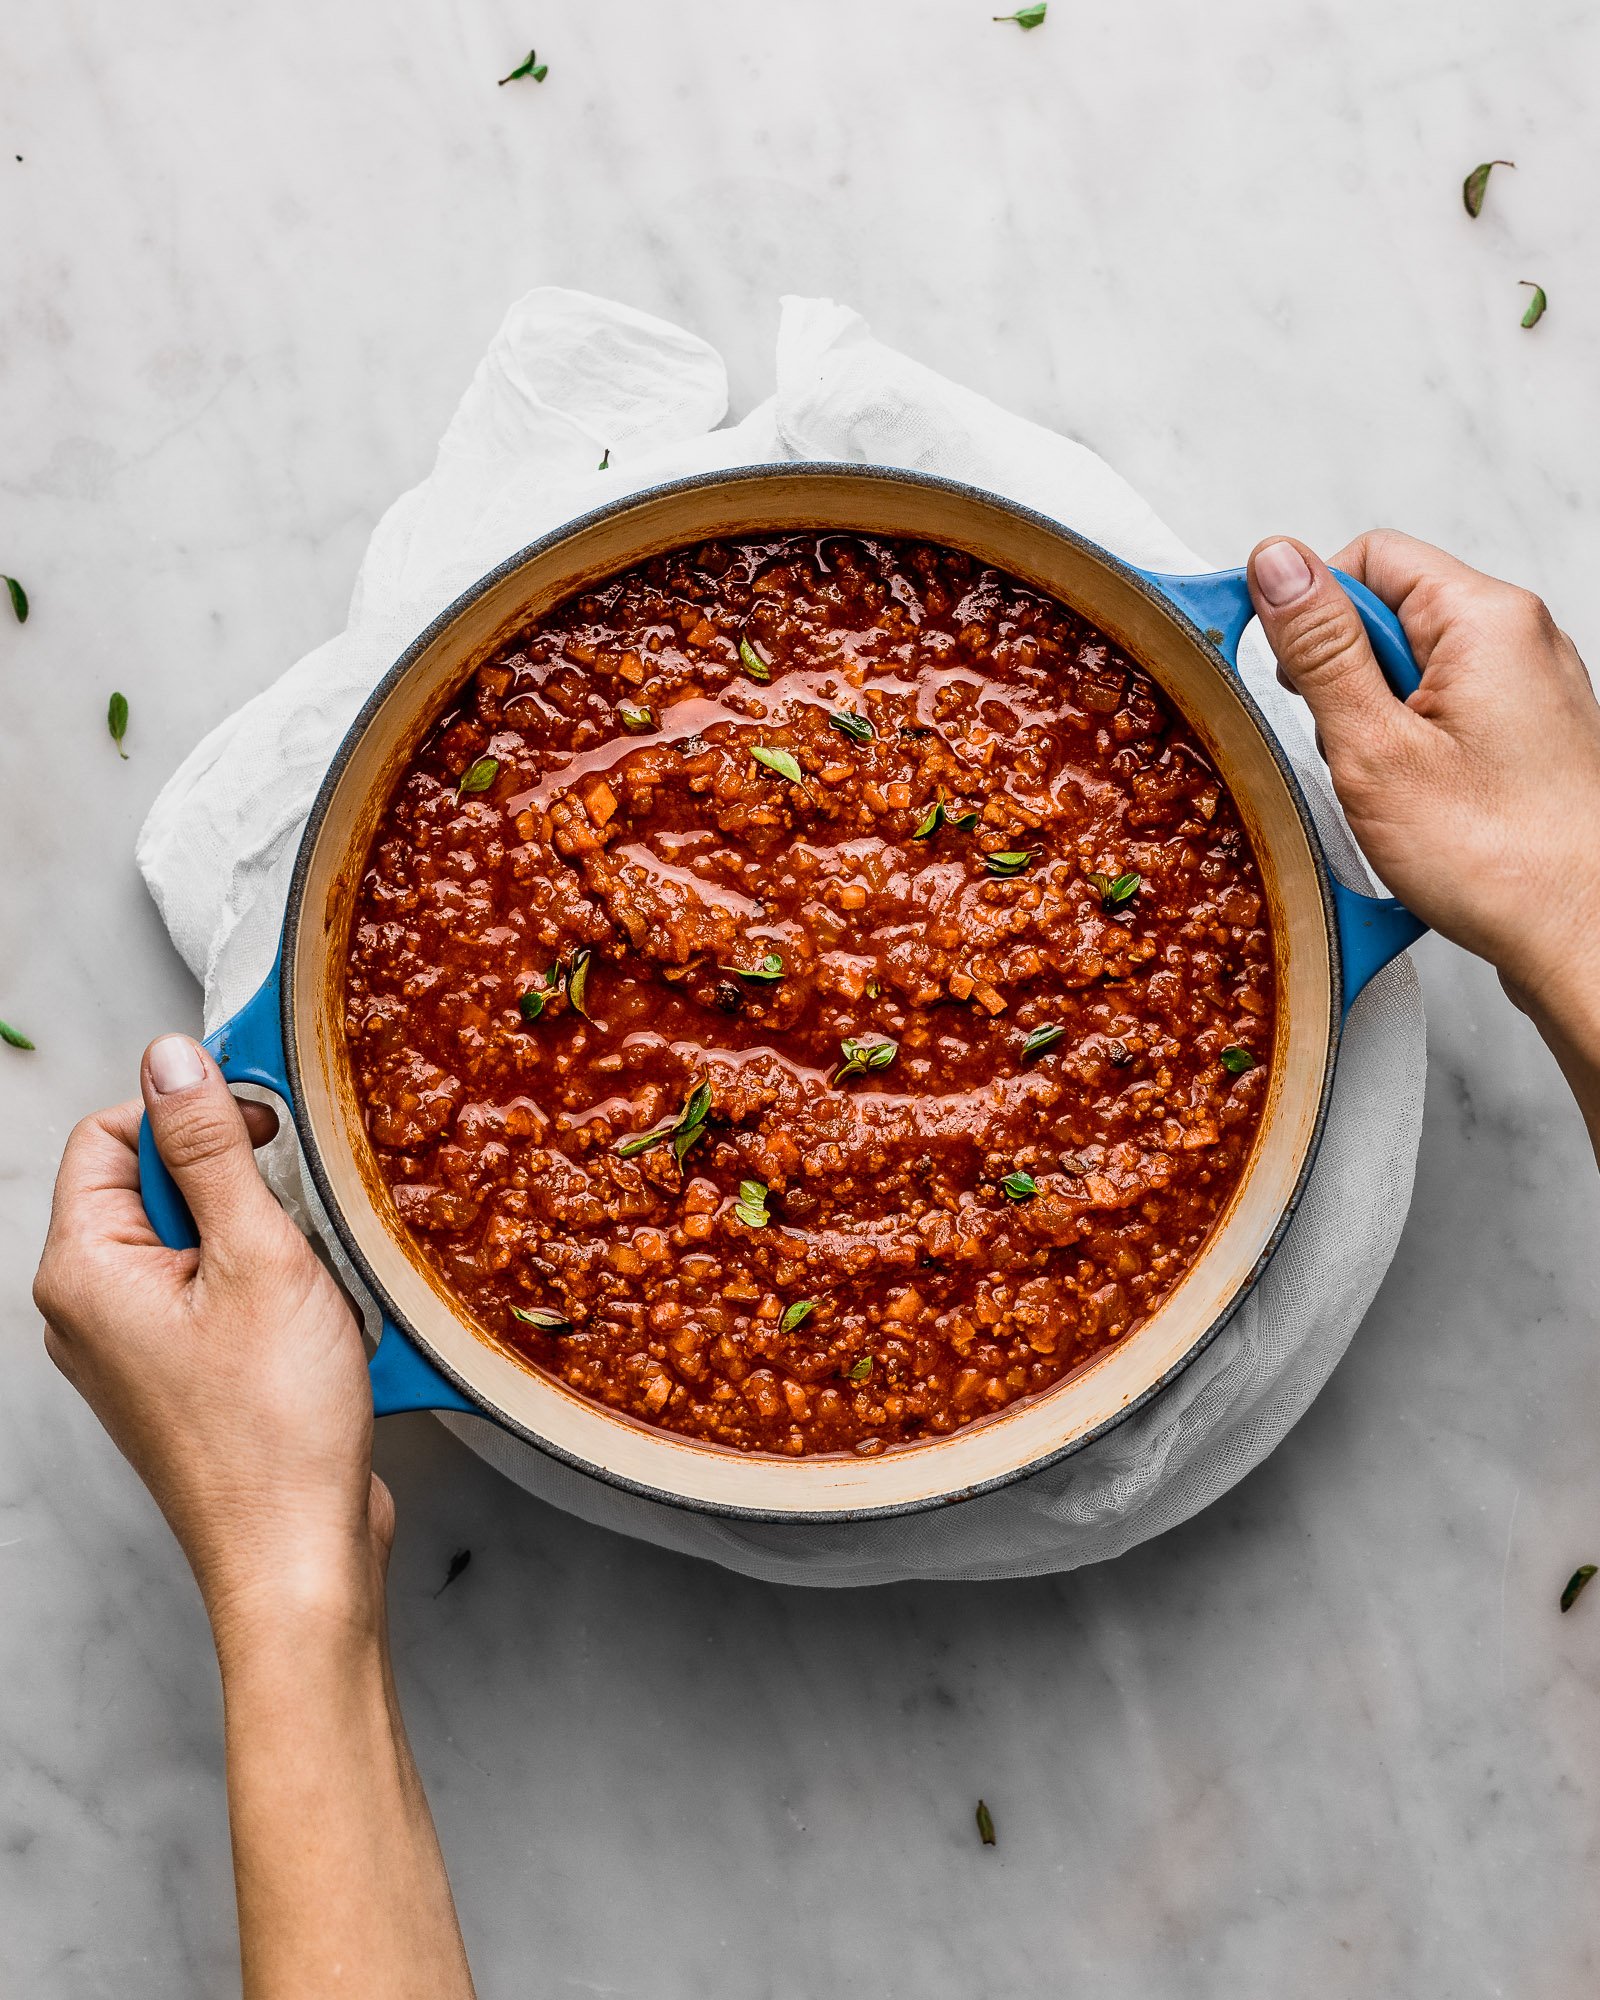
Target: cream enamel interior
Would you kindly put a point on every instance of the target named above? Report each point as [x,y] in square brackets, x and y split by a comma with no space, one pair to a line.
[549,1414]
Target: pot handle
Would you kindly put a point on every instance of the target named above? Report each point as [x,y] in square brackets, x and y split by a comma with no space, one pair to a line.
[249,1049]
[1372,929]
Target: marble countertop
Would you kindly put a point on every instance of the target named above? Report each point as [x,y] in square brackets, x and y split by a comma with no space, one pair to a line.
[1332,1736]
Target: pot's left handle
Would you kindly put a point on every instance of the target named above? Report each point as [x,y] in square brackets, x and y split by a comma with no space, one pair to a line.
[1372,929]
[249,1049]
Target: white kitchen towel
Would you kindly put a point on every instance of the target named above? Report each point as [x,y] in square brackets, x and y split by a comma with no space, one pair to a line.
[569,379]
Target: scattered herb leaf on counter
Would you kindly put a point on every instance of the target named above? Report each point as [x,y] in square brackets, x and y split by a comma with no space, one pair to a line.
[751,1207]
[780,761]
[117,722]
[792,1315]
[1236,1060]
[478,777]
[458,1562]
[1575,1584]
[578,984]
[19,599]
[544,1320]
[1476,183]
[1536,304]
[531,1004]
[861,1056]
[848,723]
[635,717]
[1027,17]
[859,1371]
[1040,1039]
[1019,1185]
[532,67]
[771,967]
[13,1037]
[1009,861]
[605,463]
[985,1818]
[753,664]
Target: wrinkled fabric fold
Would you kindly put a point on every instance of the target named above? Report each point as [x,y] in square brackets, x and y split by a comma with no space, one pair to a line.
[570,380]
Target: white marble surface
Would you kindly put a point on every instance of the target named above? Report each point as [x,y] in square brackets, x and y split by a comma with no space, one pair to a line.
[1330,1738]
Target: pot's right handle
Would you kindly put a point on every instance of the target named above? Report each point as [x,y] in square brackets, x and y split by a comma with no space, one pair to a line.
[1372,929]
[249,1049]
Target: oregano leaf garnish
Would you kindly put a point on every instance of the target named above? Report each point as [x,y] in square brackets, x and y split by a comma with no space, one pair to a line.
[1575,1584]
[578,984]
[478,777]
[780,761]
[1019,1185]
[771,967]
[1536,304]
[860,1056]
[848,723]
[754,665]
[1027,17]
[13,1037]
[1237,1060]
[117,722]
[751,1207]
[858,1371]
[1010,860]
[19,599]
[984,1817]
[1040,1039]
[542,1319]
[635,717]
[794,1314]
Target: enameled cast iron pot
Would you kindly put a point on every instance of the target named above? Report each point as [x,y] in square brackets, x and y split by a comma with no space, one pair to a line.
[1184,630]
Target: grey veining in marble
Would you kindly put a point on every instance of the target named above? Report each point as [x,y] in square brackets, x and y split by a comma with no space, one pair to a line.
[1330,1738]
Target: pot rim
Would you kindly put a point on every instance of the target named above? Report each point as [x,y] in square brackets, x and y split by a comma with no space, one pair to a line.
[754,476]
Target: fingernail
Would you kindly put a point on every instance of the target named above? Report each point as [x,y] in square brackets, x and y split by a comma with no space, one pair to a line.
[175,1065]
[1282,573]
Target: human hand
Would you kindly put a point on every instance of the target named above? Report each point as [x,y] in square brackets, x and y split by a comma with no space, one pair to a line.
[1478,799]
[232,1377]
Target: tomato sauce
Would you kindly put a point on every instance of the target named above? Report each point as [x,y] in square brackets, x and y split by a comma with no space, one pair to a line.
[810,992]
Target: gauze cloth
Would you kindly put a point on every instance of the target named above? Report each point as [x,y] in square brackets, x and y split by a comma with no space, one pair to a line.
[568,379]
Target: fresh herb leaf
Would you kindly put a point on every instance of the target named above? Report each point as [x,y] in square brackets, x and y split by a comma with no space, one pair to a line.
[605,463]
[964,822]
[984,1816]
[1027,17]
[532,67]
[1236,1060]
[780,761]
[848,723]
[873,989]
[861,1056]
[543,1320]
[578,984]
[1575,1584]
[1477,182]
[478,777]
[531,1004]
[931,822]
[751,1207]
[858,1371]
[458,1562]
[1009,861]
[792,1315]
[117,722]
[771,967]
[754,665]
[1115,890]
[691,1124]
[1019,1185]
[19,599]
[1041,1039]
[13,1037]
[641,1142]
[635,718]
[1536,304]
[685,1129]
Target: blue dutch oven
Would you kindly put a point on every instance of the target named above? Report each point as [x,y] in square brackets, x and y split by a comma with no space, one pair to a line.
[1185,630]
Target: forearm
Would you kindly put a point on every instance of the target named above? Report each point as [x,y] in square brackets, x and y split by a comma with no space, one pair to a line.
[341,1885]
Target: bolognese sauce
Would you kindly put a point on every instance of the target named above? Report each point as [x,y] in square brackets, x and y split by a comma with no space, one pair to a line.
[809,993]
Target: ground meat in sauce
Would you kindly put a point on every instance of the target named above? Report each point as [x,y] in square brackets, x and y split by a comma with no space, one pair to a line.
[614,821]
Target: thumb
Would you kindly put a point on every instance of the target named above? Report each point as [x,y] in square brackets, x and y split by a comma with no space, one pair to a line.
[1322,647]
[200,1132]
